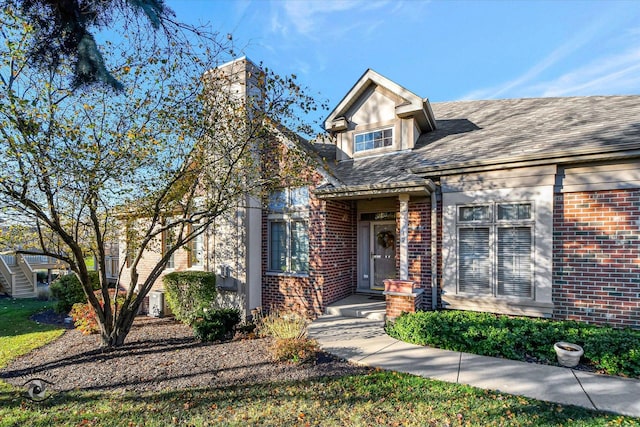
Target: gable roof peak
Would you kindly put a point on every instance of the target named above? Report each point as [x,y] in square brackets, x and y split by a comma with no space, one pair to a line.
[411,104]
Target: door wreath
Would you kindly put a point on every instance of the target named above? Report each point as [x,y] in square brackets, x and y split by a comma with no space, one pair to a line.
[386,239]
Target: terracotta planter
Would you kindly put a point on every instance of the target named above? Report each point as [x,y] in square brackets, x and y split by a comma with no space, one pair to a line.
[399,286]
[568,354]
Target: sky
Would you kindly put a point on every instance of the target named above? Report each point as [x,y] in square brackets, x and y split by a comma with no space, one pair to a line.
[443,50]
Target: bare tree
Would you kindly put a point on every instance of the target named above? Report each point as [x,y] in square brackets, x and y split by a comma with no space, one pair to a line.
[182,144]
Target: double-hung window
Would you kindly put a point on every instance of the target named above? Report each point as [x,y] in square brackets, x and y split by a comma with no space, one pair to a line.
[288,229]
[168,242]
[196,253]
[495,250]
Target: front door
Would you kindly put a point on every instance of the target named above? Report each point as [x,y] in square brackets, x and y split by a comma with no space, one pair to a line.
[383,253]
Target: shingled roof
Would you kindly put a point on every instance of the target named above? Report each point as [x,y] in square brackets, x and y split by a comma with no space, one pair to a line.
[500,132]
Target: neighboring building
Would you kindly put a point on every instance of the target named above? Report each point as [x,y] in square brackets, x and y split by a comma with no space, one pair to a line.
[521,206]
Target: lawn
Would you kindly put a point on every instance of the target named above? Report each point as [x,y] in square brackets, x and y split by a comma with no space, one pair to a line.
[18,334]
[376,398]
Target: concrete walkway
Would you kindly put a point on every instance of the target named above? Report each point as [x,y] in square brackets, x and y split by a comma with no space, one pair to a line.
[363,341]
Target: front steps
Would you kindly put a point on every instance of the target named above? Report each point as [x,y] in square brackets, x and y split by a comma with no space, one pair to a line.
[359,306]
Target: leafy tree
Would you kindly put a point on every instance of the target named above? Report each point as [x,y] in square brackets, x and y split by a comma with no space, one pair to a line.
[181,145]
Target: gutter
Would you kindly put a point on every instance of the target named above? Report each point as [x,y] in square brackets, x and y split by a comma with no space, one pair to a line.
[528,160]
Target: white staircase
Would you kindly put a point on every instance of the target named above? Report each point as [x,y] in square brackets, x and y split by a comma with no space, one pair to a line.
[22,288]
[17,277]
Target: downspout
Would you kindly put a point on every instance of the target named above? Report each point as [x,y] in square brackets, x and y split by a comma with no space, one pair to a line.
[434,247]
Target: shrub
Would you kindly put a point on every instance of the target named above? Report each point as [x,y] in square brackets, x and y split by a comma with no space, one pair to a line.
[84,316]
[614,351]
[43,293]
[68,291]
[216,324]
[281,325]
[294,350]
[290,332]
[189,293]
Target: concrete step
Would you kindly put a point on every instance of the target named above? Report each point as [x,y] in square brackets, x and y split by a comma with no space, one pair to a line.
[359,306]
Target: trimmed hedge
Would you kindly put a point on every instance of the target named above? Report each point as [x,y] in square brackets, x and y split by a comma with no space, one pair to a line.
[614,351]
[68,291]
[189,293]
[216,324]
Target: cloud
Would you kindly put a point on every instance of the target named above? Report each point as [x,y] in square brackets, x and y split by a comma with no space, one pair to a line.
[615,74]
[320,20]
[561,52]
[598,70]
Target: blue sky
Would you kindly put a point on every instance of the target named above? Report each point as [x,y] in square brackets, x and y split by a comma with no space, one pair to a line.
[441,50]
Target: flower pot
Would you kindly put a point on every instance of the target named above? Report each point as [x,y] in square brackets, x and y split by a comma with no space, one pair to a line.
[568,354]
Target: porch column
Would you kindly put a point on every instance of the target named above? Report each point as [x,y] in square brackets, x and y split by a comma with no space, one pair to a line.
[404,236]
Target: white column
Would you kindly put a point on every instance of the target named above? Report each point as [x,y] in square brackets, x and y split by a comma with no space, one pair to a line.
[404,236]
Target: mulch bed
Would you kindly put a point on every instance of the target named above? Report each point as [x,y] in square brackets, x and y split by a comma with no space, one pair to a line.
[162,354]
[52,318]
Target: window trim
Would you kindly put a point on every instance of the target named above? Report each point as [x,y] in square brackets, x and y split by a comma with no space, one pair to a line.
[192,250]
[494,224]
[288,215]
[371,131]
[171,262]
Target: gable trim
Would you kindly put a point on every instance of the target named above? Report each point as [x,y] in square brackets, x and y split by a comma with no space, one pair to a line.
[414,105]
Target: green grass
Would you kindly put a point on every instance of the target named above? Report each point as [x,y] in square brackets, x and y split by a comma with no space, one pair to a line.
[90,263]
[378,398]
[18,334]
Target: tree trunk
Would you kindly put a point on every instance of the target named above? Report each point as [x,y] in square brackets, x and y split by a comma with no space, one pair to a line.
[114,336]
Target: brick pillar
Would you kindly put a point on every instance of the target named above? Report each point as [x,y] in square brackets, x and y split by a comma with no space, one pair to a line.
[401,297]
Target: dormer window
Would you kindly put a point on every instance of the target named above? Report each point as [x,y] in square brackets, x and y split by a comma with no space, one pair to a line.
[372,140]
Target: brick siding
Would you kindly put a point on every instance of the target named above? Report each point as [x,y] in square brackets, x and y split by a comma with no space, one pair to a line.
[596,264]
[420,248]
[398,304]
[332,262]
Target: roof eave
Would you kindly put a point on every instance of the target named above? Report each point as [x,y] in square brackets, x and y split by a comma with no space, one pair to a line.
[354,192]
[559,157]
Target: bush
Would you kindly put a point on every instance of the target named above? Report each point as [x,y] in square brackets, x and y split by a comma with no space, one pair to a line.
[84,316]
[216,324]
[68,291]
[43,294]
[189,293]
[613,351]
[281,325]
[294,350]
[290,332]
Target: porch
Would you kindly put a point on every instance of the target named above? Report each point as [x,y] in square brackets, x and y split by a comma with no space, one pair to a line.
[18,273]
[392,237]
[359,305]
